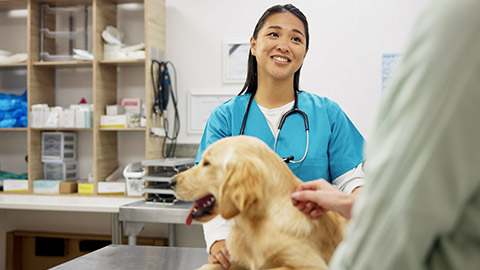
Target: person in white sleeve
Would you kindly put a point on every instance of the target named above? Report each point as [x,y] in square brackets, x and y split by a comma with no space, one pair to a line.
[420,206]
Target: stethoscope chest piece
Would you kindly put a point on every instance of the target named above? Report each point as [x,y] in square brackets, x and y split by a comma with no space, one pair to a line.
[295,109]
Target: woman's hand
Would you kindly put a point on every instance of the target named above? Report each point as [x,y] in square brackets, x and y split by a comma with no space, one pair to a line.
[316,197]
[219,254]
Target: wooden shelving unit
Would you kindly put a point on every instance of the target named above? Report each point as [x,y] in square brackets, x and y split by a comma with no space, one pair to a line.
[41,78]
[16,65]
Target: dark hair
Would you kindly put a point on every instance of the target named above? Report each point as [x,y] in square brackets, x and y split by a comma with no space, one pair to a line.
[251,83]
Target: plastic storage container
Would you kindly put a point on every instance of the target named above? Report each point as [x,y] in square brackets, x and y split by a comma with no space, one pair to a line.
[134,173]
[63,29]
[59,146]
[62,170]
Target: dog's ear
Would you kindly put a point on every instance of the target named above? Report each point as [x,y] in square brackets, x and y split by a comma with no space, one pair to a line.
[242,187]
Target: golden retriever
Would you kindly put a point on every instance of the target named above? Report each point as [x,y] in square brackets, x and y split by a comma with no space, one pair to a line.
[242,179]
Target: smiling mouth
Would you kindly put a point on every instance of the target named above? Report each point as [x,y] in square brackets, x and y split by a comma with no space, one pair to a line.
[281,59]
[200,208]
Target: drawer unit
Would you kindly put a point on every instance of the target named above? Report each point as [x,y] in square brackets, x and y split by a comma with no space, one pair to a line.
[61,170]
[59,146]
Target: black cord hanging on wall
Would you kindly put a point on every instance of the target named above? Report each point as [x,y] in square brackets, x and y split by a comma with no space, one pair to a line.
[164,92]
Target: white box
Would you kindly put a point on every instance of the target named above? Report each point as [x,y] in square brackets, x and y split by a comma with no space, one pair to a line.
[15,185]
[46,186]
[68,118]
[54,117]
[131,105]
[115,109]
[58,146]
[113,121]
[60,170]
[111,188]
[39,115]
[83,116]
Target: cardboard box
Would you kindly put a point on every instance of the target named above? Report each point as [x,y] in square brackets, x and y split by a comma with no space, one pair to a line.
[15,185]
[68,187]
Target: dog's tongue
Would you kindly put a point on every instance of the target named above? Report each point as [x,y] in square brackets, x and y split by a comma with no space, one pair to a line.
[200,208]
[189,219]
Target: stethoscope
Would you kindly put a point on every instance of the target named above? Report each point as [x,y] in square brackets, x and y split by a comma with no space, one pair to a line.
[295,109]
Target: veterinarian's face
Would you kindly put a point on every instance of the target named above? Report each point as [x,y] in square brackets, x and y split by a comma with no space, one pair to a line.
[280,46]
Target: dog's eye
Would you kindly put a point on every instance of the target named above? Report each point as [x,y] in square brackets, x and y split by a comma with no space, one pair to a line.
[206,163]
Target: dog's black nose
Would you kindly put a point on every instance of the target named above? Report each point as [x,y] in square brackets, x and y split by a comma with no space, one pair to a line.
[173,182]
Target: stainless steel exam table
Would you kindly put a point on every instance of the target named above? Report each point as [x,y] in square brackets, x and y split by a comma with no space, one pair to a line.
[136,214]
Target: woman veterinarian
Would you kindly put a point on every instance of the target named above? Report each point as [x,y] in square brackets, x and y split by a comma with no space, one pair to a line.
[333,152]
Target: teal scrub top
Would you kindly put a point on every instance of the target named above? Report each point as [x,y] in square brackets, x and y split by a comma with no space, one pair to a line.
[335,145]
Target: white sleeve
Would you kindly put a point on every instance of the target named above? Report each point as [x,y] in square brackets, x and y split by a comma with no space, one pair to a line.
[215,230]
[350,180]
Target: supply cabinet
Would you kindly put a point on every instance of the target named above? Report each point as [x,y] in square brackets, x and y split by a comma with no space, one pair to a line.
[101,77]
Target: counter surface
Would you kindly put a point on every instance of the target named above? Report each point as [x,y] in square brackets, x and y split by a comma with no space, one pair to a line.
[139,257]
[77,203]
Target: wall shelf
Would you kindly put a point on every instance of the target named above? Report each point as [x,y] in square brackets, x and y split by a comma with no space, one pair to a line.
[123,62]
[64,63]
[16,65]
[123,129]
[13,129]
[61,129]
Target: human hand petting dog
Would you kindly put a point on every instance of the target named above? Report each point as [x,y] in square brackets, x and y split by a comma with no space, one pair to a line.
[219,254]
[317,197]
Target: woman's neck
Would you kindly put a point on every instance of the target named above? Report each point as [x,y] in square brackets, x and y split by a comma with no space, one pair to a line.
[274,93]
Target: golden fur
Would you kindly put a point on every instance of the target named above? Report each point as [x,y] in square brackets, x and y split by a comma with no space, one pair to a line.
[253,186]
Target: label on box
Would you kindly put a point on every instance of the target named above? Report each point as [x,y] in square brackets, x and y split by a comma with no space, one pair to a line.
[134,187]
[111,188]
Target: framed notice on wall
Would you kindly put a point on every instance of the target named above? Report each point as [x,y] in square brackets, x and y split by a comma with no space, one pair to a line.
[200,106]
[235,60]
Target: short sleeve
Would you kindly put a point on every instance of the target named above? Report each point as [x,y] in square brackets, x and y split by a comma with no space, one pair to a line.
[345,148]
[217,127]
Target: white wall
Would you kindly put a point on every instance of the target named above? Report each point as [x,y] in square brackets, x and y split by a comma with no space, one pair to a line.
[348,39]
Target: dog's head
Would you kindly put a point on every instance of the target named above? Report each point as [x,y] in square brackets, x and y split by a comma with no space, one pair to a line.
[229,179]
